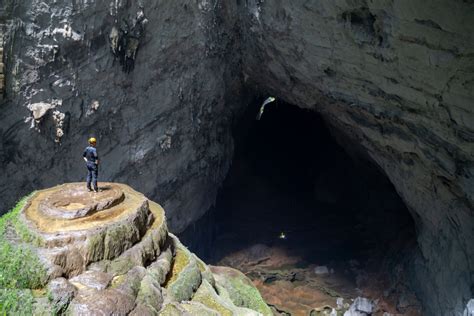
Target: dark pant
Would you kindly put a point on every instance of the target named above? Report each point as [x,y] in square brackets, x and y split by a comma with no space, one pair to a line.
[92,173]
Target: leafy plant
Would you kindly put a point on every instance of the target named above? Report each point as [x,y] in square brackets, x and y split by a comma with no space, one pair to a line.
[20,269]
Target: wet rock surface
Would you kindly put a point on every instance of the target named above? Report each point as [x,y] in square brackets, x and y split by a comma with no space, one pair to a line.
[121,260]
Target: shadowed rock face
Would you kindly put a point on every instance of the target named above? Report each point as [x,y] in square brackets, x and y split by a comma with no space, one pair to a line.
[394,79]
[120,259]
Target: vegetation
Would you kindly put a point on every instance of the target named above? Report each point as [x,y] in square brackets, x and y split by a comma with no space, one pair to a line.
[16,302]
[20,269]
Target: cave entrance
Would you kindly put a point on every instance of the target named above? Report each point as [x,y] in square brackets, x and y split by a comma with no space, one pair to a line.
[296,211]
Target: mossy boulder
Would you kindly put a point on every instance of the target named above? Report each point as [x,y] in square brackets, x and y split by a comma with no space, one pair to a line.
[185,276]
[209,297]
[194,308]
[240,289]
[149,294]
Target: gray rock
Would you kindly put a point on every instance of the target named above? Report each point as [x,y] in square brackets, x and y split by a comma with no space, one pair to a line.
[150,294]
[106,302]
[321,270]
[61,293]
[340,302]
[360,307]
[92,279]
[469,311]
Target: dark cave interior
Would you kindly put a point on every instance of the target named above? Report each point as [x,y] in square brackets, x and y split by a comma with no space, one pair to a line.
[295,201]
[290,178]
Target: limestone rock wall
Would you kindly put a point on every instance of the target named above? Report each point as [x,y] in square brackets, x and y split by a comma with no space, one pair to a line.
[162,127]
[396,78]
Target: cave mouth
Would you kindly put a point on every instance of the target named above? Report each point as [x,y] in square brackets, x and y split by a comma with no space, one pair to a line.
[295,199]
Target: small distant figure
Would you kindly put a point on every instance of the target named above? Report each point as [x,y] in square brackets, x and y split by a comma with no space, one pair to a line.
[92,162]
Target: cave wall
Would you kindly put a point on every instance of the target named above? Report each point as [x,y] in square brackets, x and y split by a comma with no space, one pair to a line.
[162,128]
[396,77]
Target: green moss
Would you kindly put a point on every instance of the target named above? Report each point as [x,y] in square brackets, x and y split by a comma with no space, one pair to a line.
[195,308]
[20,268]
[120,266]
[241,290]
[16,302]
[250,296]
[11,219]
[119,238]
[185,276]
[149,296]
[170,310]
[205,271]
[95,247]
[208,297]
[181,260]
[25,234]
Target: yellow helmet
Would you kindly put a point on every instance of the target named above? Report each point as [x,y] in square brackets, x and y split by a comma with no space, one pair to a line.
[92,140]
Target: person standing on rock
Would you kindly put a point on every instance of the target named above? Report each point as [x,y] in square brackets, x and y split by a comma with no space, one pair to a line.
[92,162]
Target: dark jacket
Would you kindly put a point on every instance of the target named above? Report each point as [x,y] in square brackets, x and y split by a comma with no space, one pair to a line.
[90,153]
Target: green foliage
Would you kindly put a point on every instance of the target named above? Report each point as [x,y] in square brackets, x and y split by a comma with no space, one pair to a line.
[56,309]
[16,302]
[11,220]
[20,268]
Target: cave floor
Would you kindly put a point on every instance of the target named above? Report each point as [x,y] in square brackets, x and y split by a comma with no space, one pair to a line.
[295,283]
[326,252]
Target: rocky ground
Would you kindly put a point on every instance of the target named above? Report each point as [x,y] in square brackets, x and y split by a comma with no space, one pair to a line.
[292,286]
[110,253]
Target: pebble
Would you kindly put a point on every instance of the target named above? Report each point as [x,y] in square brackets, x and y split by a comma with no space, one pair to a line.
[321,270]
[360,307]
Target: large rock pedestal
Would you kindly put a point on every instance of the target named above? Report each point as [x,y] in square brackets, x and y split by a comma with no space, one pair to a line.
[110,253]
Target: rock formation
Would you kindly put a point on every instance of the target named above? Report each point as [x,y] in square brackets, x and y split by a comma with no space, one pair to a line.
[110,253]
[394,79]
